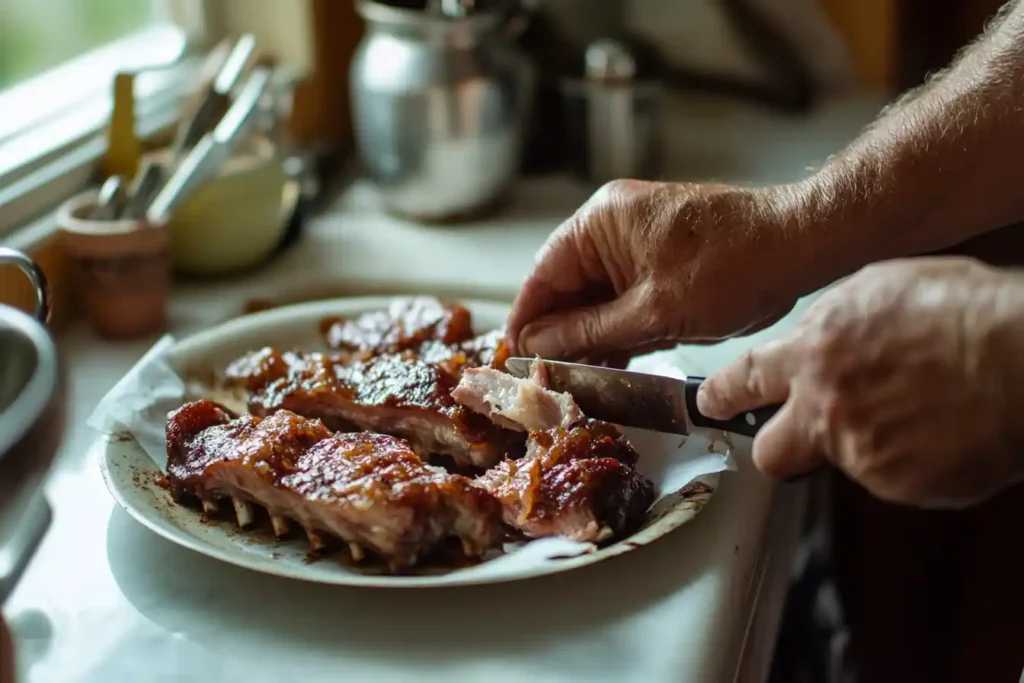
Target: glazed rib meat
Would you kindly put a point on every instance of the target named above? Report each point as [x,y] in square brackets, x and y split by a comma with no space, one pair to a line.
[393,372]
[578,478]
[399,394]
[405,325]
[419,326]
[369,490]
[578,482]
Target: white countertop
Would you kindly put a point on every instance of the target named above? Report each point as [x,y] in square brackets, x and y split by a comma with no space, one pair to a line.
[105,601]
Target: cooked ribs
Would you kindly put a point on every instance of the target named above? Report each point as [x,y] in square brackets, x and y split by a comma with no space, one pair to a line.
[407,383]
[391,372]
[398,394]
[404,326]
[434,332]
[369,490]
[578,478]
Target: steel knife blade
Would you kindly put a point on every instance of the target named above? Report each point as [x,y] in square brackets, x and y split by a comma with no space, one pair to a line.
[637,399]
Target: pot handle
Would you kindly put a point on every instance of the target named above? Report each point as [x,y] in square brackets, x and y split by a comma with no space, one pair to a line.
[36,276]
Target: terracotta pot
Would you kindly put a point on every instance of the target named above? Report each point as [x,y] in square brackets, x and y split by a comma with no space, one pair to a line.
[122,270]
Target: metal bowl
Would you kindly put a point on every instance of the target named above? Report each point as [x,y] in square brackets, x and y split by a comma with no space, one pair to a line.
[31,423]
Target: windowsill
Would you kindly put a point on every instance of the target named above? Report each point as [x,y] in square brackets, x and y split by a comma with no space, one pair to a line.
[29,220]
[52,155]
[47,113]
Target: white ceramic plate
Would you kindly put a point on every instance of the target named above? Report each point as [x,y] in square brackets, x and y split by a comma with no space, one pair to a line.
[133,477]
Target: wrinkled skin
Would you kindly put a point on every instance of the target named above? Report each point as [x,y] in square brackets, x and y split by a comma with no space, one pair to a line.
[904,376]
[644,265]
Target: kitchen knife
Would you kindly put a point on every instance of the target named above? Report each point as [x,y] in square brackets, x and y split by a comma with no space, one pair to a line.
[217,98]
[145,186]
[212,150]
[636,399]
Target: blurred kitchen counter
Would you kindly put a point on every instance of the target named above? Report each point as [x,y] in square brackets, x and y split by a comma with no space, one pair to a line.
[107,601]
[353,247]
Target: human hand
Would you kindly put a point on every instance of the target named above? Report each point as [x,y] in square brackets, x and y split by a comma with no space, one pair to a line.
[644,265]
[906,377]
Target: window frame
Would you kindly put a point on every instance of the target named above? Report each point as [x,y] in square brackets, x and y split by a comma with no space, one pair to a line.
[59,154]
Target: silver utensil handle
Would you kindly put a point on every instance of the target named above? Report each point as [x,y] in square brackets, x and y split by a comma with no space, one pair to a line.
[195,170]
[36,276]
[234,66]
[240,113]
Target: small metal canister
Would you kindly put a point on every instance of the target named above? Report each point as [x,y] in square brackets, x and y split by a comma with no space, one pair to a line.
[614,119]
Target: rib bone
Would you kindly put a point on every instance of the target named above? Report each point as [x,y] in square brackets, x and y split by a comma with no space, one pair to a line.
[210,507]
[280,525]
[357,552]
[243,512]
[316,541]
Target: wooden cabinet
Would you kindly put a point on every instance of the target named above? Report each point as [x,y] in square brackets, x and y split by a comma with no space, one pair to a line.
[896,43]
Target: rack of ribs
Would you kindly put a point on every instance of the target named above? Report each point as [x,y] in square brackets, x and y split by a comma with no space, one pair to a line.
[399,394]
[406,325]
[433,331]
[578,477]
[392,372]
[368,490]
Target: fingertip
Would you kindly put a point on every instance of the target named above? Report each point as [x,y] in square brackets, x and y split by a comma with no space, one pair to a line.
[710,401]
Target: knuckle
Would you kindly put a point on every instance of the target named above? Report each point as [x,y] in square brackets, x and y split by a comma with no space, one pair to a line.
[752,367]
[617,192]
[592,328]
[855,461]
[824,348]
[556,242]
[833,406]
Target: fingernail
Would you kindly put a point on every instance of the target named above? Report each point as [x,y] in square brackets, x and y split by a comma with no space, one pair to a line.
[707,403]
[540,341]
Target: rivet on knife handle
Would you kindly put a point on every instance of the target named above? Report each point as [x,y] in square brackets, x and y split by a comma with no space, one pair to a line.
[747,423]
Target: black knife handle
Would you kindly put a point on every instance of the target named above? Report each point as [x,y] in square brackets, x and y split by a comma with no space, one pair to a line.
[748,423]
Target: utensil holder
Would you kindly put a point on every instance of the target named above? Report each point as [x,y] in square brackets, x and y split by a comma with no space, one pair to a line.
[121,269]
[236,219]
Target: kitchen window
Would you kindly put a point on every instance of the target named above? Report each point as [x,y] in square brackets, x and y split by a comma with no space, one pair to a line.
[58,59]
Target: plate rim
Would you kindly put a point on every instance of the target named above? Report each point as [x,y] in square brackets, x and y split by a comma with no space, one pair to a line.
[183,539]
[289,314]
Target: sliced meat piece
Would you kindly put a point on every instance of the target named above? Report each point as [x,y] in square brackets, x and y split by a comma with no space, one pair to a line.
[405,325]
[578,478]
[579,483]
[522,404]
[369,490]
[396,394]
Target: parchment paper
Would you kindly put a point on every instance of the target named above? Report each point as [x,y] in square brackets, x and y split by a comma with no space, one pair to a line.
[140,402]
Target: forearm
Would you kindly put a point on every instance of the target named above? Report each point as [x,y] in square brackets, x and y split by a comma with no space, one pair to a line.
[937,168]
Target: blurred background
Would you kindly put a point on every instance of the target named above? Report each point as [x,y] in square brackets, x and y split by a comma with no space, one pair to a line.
[426,111]
[37,36]
[171,164]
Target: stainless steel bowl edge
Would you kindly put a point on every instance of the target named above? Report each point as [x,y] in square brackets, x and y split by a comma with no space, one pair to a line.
[31,424]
